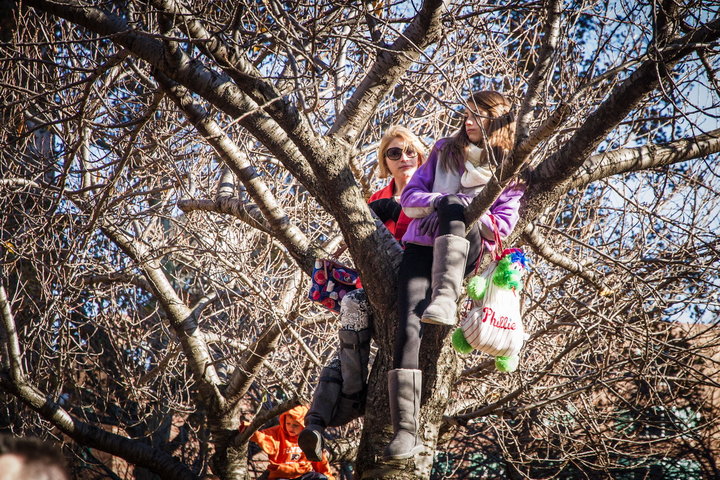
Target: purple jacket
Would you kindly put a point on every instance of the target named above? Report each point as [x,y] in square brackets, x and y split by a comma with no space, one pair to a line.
[420,193]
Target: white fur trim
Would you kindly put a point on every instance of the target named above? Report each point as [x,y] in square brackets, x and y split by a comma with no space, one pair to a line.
[418,212]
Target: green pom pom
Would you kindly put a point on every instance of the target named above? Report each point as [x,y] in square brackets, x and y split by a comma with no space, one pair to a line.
[507,364]
[505,276]
[459,343]
[476,287]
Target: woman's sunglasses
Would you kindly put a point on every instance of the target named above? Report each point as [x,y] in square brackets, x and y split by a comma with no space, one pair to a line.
[395,153]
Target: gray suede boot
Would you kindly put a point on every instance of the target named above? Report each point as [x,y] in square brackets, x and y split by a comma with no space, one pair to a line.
[325,400]
[404,389]
[448,270]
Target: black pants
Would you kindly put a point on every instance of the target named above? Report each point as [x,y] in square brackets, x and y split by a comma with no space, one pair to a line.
[415,284]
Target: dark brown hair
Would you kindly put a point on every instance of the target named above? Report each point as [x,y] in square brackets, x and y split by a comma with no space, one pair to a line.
[496,141]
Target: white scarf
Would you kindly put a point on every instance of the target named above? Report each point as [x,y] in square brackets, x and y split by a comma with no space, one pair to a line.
[474,176]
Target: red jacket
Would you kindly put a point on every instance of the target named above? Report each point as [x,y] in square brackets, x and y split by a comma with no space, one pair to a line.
[286,458]
[396,228]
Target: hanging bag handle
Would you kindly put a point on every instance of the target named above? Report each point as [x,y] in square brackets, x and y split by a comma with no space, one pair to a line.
[498,244]
[497,254]
[339,251]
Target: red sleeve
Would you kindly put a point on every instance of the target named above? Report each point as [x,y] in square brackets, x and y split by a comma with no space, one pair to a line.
[401,226]
[395,230]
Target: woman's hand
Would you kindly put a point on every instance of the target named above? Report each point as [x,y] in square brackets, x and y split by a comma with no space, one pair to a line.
[386,209]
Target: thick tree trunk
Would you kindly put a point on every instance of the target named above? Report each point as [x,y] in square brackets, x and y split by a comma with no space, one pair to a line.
[438,362]
[229,461]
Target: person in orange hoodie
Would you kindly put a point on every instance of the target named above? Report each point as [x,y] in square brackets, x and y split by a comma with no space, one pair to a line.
[287,461]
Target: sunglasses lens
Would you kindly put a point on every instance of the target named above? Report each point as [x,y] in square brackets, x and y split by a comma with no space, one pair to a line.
[394,153]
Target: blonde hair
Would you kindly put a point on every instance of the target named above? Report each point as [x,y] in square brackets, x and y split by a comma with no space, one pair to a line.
[496,142]
[393,132]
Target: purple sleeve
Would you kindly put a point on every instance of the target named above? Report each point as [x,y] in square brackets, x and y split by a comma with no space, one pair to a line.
[505,210]
[418,196]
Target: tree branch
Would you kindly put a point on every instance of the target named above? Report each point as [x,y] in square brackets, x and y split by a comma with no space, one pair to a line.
[627,160]
[180,316]
[18,183]
[542,71]
[246,77]
[248,213]
[282,228]
[555,176]
[563,164]
[462,419]
[390,66]
[217,88]
[14,381]
[541,247]
[525,147]
[114,278]
[243,377]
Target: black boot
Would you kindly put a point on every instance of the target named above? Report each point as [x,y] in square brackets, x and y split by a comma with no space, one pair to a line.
[354,357]
[321,413]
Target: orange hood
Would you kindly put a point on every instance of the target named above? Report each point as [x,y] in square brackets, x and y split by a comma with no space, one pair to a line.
[298,414]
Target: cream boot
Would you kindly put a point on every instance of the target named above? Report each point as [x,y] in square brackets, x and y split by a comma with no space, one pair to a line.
[448,270]
[404,389]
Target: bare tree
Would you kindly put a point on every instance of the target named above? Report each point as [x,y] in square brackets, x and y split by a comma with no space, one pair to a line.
[170,170]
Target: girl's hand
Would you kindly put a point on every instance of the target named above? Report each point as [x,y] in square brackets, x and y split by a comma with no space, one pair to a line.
[429,225]
[464,199]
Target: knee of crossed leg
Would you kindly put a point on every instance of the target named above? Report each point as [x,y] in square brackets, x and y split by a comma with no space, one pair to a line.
[355,311]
